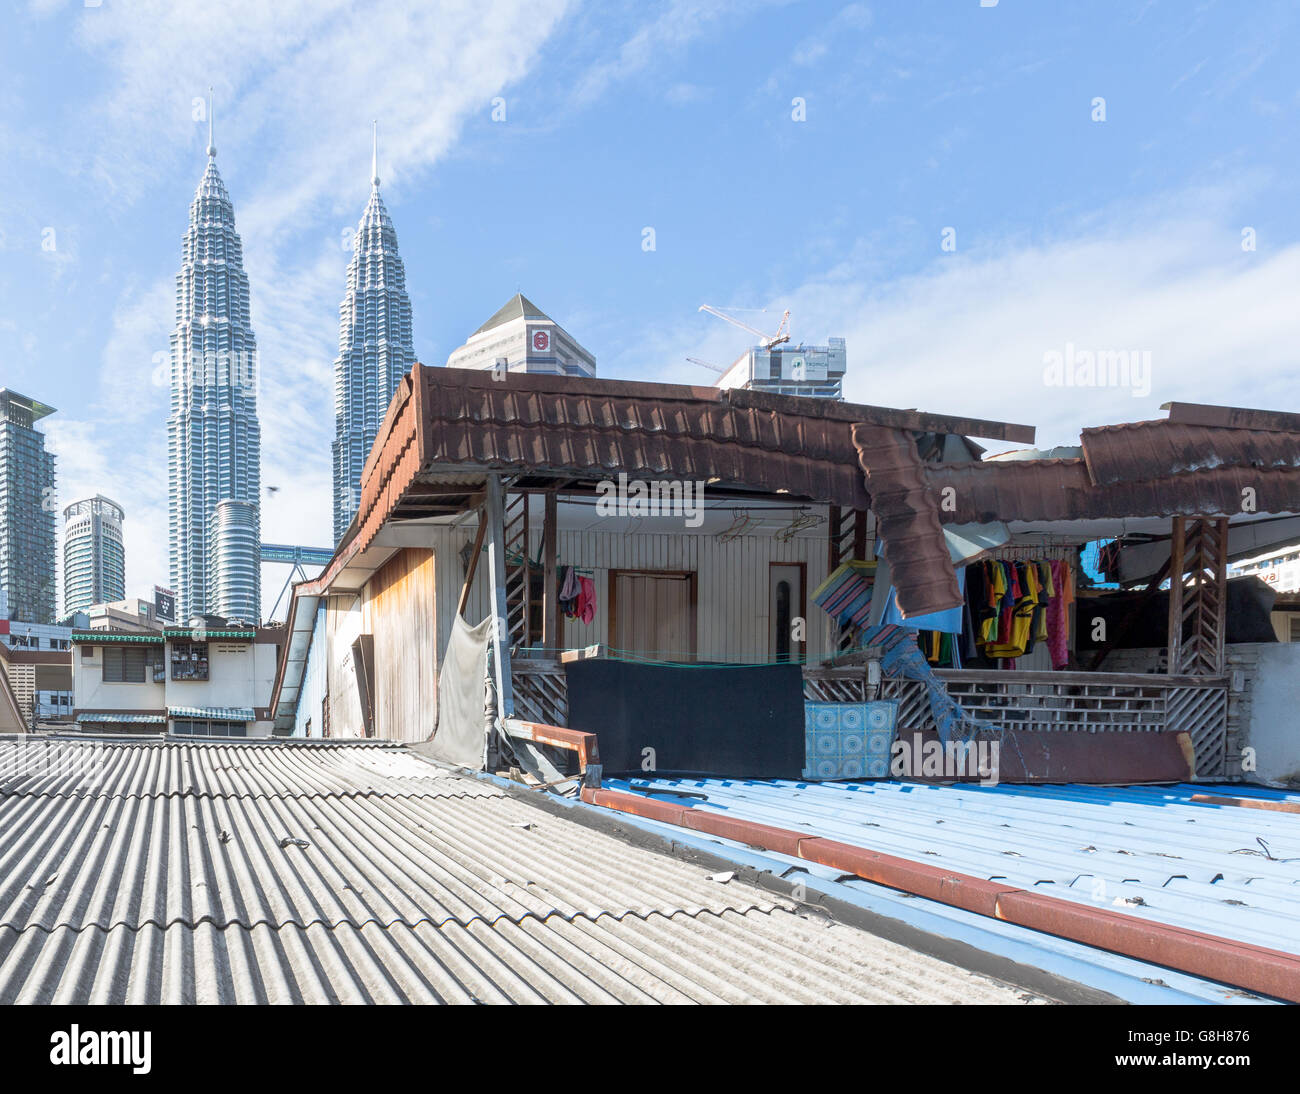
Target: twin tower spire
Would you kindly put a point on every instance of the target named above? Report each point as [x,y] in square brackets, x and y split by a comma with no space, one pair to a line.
[214,438]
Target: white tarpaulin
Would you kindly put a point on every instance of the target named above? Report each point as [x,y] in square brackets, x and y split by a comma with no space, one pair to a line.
[461,734]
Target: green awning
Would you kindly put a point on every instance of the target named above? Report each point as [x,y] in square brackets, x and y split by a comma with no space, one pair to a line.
[102,638]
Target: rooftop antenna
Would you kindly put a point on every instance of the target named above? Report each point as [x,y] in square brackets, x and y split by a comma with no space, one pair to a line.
[212,148]
[374,156]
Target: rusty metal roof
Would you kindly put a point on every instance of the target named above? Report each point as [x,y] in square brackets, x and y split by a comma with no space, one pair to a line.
[588,427]
[1140,451]
[1141,469]
[908,515]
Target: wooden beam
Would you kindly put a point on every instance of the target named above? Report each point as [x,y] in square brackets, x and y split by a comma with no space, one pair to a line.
[495,511]
[550,591]
[1177,543]
[1221,587]
[472,568]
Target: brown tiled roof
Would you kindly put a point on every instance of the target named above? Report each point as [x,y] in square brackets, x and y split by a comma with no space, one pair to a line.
[586,427]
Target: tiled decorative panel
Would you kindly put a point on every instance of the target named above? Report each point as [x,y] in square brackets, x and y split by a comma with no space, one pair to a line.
[848,740]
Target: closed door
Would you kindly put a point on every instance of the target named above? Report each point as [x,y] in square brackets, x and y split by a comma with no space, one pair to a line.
[652,613]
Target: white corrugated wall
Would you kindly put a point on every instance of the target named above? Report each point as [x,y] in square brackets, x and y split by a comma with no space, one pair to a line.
[732,584]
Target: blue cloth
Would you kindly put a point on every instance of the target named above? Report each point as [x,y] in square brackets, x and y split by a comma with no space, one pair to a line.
[949,622]
[900,656]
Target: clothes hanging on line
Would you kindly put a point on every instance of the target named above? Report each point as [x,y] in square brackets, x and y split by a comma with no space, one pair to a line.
[585,605]
[941,648]
[1016,603]
[577,596]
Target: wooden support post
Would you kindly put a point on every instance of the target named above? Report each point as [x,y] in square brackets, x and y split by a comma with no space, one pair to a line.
[495,512]
[472,568]
[550,592]
[1221,587]
[1177,543]
[1198,609]
[833,539]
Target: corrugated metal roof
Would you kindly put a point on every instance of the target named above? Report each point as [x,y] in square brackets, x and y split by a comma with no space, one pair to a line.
[649,430]
[98,638]
[259,872]
[1141,451]
[1138,469]
[583,426]
[908,513]
[216,714]
[1150,852]
[114,716]
[1031,490]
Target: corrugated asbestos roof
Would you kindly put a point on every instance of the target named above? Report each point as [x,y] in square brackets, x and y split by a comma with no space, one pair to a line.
[1150,852]
[278,872]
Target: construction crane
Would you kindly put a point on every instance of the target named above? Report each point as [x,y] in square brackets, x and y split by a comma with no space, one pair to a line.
[766,341]
[708,364]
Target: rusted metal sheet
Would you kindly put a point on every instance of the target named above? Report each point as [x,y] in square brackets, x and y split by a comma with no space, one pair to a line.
[1142,451]
[912,420]
[648,430]
[1232,417]
[1104,757]
[1063,490]
[908,516]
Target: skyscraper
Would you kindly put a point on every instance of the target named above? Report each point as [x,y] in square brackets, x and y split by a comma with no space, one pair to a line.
[28,545]
[213,439]
[94,560]
[375,347]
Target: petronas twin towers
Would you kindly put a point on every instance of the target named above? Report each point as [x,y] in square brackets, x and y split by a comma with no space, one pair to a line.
[375,348]
[213,437]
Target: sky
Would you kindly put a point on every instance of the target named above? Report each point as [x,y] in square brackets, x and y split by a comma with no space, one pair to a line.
[976,195]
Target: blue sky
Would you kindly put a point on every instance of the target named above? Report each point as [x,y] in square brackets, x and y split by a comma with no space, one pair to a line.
[1125,233]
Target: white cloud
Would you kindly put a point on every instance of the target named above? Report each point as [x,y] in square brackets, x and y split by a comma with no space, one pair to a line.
[666,35]
[967,333]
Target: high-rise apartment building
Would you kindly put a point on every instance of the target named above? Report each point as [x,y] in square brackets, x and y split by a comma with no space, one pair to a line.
[94,559]
[791,370]
[28,537]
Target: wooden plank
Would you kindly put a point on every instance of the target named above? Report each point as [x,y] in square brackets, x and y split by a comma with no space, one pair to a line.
[1177,543]
[495,513]
[472,569]
[550,591]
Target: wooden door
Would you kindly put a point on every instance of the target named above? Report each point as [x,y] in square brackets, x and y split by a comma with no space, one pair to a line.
[653,613]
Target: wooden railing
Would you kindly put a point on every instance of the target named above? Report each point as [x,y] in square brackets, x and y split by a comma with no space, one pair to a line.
[540,690]
[1049,702]
[1080,702]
